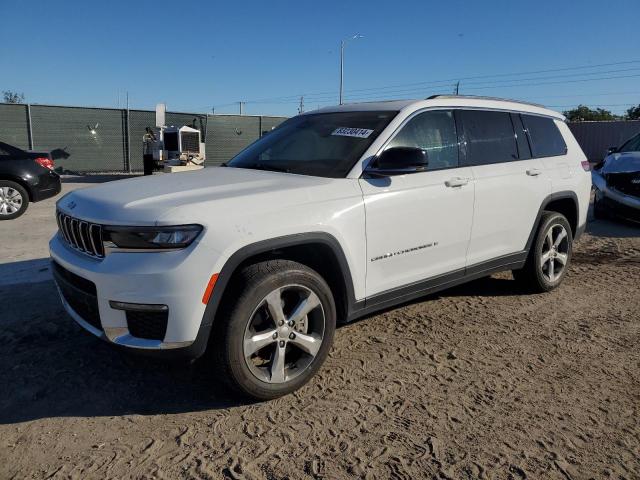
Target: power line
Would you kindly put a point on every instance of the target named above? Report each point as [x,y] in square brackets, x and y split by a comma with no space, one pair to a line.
[473,86]
[507,83]
[595,105]
[321,95]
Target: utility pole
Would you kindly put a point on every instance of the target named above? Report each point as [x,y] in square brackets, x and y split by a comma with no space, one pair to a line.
[241,104]
[301,107]
[213,110]
[457,89]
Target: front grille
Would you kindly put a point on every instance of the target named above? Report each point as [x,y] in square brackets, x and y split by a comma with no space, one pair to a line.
[147,325]
[627,183]
[81,235]
[79,293]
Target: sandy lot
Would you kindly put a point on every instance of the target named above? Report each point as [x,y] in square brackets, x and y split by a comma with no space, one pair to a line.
[478,382]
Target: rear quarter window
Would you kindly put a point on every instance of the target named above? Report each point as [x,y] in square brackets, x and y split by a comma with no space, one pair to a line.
[546,140]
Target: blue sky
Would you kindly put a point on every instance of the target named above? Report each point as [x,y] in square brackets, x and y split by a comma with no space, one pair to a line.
[197,55]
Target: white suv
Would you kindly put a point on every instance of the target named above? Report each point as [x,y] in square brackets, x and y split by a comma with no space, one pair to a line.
[335,214]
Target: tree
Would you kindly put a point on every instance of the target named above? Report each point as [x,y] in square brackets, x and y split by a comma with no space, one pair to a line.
[633,113]
[13,97]
[582,113]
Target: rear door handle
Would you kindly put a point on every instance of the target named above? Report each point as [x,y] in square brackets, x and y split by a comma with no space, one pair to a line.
[533,172]
[456,182]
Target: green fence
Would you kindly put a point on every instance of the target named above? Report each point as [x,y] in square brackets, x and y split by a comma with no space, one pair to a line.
[83,139]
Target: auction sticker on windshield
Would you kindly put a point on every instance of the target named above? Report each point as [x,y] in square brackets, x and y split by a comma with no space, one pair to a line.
[352,132]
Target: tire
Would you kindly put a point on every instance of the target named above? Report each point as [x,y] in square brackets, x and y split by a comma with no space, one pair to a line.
[546,266]
[14,200]
[599,213]
[246,353]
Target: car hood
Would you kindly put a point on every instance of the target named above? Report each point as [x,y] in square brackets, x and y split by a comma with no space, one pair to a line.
[627,162]
[156,199]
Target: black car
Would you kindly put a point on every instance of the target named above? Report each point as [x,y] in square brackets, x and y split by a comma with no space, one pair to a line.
[25,176]
[616,181]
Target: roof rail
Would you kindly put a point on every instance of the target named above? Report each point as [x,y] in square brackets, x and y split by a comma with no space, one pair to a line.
[480,97]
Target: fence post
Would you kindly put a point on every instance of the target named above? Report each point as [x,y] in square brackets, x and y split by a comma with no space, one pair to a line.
[128,133]
[30,131]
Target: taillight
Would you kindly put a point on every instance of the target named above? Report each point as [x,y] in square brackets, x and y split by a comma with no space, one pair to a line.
[586,166]
[45,162]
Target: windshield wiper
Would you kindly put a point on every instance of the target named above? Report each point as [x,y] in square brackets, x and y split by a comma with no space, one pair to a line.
[266,167]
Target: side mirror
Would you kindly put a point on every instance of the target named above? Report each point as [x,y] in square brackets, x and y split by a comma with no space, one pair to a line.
[611,150]
[399,161]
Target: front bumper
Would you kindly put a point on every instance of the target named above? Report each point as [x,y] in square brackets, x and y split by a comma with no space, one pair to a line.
[618,209]
[620,204]
[175,279]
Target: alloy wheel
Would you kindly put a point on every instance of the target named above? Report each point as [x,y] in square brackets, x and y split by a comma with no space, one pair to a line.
[284,334]
[555,252]
[10,201]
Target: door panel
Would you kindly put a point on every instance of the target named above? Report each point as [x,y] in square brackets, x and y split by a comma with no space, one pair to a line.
[507,199]
[509,185]
[417,226]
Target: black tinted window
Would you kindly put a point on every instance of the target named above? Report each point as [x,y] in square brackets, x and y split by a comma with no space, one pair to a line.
[6,149]
[434,132]
[490,137]
[632,145]
[546,140]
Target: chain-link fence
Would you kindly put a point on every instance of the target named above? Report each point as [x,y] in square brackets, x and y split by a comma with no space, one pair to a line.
[83,139]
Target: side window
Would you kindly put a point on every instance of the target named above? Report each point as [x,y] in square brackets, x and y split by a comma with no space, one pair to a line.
[546,139]
[489,136]
[632,145]
[435,132]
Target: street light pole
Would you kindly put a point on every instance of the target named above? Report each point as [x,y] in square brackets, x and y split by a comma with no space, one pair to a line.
[342,44]
[341,68]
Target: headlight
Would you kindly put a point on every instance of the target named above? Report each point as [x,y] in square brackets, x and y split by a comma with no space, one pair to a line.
[150,238]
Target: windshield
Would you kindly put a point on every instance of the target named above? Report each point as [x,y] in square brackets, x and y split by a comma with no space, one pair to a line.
[322,144]
[632,145]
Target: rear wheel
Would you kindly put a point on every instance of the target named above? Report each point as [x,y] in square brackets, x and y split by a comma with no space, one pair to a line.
[14,200]
[549,256]
[276,332]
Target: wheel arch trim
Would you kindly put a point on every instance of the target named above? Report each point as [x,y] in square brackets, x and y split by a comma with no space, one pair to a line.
[265,246]
[562,195]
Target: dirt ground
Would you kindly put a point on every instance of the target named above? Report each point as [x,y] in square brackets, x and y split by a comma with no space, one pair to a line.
[480,381]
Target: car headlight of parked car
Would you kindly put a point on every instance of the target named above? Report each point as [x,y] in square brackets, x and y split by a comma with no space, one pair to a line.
[150,238]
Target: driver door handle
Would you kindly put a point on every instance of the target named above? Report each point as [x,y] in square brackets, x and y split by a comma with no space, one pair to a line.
[533,172]
[456,182]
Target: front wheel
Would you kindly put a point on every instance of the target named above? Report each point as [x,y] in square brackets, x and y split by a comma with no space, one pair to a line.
[276,331]
[549,256]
